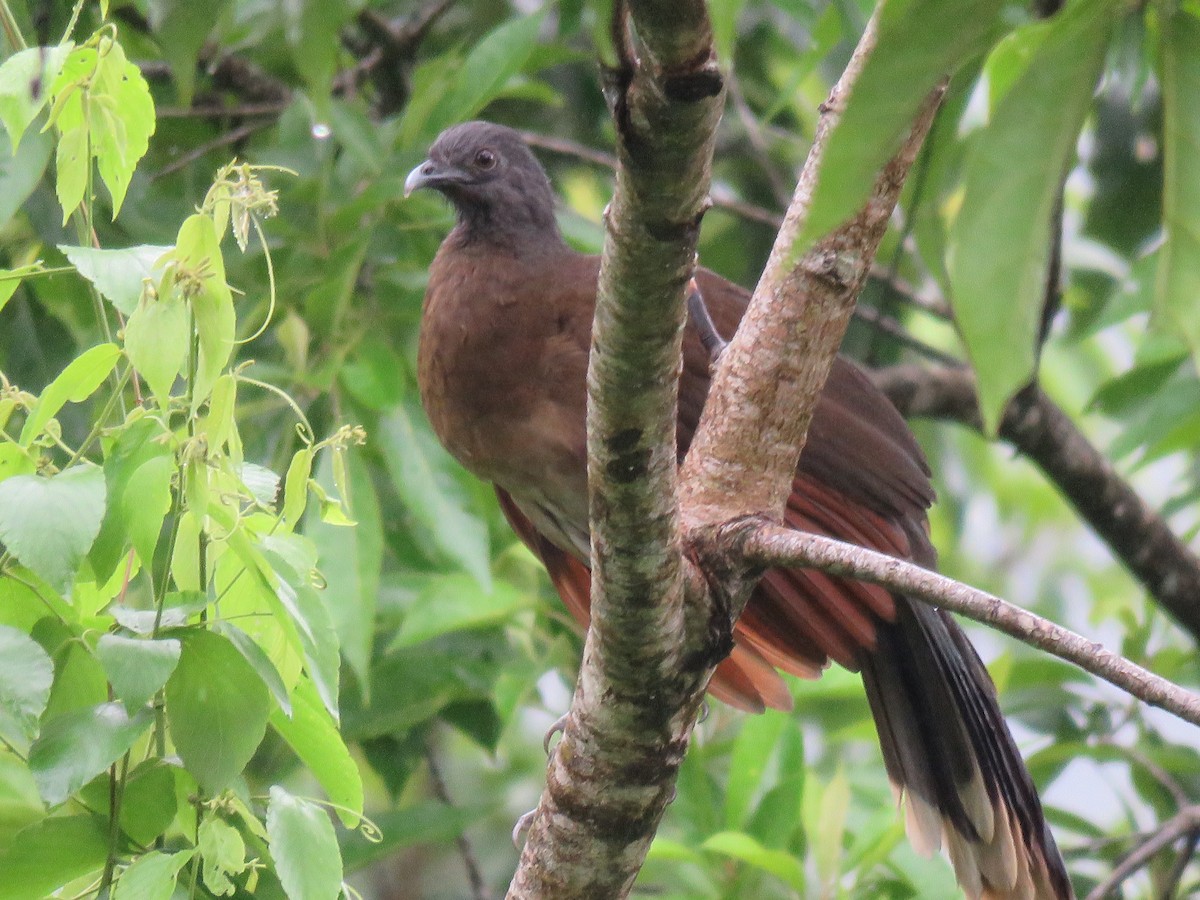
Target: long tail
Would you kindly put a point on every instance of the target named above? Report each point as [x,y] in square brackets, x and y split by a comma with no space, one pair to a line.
[950,755]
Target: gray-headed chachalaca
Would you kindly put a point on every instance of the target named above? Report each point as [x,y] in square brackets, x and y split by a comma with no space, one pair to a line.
[503,355]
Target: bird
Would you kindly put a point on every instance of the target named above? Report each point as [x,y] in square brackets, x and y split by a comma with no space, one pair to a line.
[502,359]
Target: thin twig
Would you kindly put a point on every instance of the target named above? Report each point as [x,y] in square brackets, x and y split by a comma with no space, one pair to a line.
[1186,820]
[1039,429]
[229,137]
[776,546]
[479,888]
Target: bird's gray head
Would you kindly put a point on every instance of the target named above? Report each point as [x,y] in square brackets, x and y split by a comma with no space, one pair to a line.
[499,189]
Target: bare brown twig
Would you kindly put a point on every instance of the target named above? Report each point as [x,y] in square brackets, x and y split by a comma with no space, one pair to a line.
[771,545]
[1186,821]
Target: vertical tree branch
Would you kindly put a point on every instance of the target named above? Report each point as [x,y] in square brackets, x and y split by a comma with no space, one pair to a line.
[613,772]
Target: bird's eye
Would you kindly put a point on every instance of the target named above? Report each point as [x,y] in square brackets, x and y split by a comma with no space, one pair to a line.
[485,159]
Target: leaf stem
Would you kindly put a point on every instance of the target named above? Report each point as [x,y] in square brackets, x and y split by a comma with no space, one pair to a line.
[11,29]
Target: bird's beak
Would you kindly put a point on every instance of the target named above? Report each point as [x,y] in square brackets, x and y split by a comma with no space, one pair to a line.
[431,175]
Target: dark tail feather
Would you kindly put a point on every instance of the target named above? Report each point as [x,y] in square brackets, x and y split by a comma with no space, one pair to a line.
[949,753]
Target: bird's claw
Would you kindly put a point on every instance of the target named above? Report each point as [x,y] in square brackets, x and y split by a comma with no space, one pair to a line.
[522,826]
[702,321]
[559,726]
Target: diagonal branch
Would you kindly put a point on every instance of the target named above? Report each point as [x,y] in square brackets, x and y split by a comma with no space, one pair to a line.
[753,428]
[1038,428]
[776,546]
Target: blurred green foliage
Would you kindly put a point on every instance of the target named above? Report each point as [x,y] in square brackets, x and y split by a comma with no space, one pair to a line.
[183,567]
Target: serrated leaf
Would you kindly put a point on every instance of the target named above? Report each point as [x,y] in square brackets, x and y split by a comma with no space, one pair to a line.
[75,747]
[223,852]
[26,673]
[49,523]
[313,734]
[1177,288]
[117,274]
[152,876]
[137,668]
[51,853]
[455,603]
[157,336]
[304,848]
[919,42]
[78,381]
[217,708]
[421,473]
[121,119]
[1000,242]
[25,78]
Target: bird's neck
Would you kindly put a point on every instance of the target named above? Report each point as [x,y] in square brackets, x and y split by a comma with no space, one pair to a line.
[515,229]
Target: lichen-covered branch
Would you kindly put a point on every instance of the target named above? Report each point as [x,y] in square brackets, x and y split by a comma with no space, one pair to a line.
[612,774]
[1040,430]
[772,545]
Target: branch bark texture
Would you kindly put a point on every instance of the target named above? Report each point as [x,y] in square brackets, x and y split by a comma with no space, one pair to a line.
[773,545]
[753,428]
[1039,429]
[612,775]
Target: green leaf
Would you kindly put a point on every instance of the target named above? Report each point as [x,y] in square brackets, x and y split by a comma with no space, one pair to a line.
[295,486]
[422,473]
[217,708]
[75,383]
[919,42]
[145,503]
[742,847]
[304,848]
[351,560]
[49,854]
[313,29]
[223,852]
[479,79]
[137,668]
[456,602]
[157,336]
[152,876]
[121,119]
[313,734]
[318,638]
[748,763]
[20,804]
[24,78]
[1177,290]
[49,523]
[118,274]
[77,746]
[26,674]
[20,173]
[72,163]
[10,280]
[181,28]
[830,827]
[201,277]
[148,802]
[1000,242]
[258,659]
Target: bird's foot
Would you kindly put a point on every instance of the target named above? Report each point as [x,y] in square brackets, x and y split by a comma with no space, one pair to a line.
[522,825]
[559,726]
[702,716]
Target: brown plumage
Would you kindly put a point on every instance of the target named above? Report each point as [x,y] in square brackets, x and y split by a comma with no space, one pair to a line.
[503,355]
